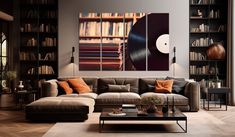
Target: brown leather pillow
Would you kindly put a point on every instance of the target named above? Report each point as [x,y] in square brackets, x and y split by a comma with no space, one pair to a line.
[163,86]
[65,86]
[79,85]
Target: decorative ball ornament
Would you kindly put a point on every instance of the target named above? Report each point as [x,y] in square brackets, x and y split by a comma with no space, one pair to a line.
[216,51]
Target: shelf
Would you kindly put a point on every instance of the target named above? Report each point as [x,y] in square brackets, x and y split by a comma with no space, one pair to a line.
[206,74]
[47,15]
[214,32]
[195,18]
[207,60]
[212,25]
[102,37]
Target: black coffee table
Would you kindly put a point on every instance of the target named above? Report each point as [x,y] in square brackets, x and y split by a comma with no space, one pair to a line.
[131,115]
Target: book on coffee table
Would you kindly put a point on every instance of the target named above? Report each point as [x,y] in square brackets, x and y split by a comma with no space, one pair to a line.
[128,106]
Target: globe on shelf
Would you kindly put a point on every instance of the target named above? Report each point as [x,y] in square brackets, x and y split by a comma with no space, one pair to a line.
[216,51]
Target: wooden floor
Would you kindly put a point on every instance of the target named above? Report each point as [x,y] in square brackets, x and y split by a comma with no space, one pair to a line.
[13,124]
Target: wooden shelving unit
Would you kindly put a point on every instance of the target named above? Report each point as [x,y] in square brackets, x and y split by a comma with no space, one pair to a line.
[38,40]
[208,20]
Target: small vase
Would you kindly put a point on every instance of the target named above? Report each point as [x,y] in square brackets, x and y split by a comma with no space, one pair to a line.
[151,108]
[165,109]
[20,86]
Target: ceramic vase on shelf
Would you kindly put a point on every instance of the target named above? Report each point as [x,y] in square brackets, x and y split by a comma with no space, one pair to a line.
[20,86]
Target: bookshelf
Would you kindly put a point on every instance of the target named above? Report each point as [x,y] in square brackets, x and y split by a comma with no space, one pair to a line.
[38,40]
[102,40]
[208,19]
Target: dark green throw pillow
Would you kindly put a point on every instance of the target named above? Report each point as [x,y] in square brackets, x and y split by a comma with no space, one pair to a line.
[178,86]
[150,88]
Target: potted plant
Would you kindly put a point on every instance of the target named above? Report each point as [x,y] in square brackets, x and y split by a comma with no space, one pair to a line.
[150,103]
[10,76]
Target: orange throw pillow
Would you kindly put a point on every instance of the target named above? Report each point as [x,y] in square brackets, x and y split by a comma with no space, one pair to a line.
[65,86]
[164,86]
[79,85]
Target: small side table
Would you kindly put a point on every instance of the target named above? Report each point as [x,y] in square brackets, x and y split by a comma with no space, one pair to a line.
[217,91]
[21,96]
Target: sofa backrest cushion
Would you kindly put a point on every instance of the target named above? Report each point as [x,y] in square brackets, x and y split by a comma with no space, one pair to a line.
[147,84]
[104,82]
[92,82]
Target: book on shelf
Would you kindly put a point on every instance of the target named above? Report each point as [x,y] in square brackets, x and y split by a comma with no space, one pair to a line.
[47,56]
[49,42]
[32,42]
[202,1]
[201,42]
[27,56]
[196,56]
[44,69]
[194,70]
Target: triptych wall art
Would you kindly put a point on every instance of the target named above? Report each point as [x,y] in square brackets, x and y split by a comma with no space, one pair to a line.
[123,41]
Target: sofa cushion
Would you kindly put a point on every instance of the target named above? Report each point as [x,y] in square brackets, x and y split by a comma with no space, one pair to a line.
[69,95]
[50,87]
[146,84]
[118,98]
[88,95]
[164,86]
[64,86]
[119,88]
[178,85]
[92,82]
[79,85]
[61,104]
[103,83]
[178,99]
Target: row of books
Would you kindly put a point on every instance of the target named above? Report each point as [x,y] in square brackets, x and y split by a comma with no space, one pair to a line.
[197,56]
[32,42]
[101,40]
[48,56]
[34,14]
[49,42]
[214,14]
[50,14]
[193,69]
[202,1]
[90,15]
[201,42]
[47,28]
[44,69]
[201,28]
[107,28]
[42,28]
[29,28]
[29,56]
[40,1]
[93,55]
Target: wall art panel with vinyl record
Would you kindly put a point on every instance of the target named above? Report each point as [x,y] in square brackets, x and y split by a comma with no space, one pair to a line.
[123,41]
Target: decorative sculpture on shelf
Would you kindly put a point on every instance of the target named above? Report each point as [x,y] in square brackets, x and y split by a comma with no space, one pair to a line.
[216,51]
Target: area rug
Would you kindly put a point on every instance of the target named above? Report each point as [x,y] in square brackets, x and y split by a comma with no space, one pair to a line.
[200,124]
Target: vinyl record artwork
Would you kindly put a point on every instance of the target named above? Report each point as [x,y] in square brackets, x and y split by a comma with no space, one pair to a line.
[124,42]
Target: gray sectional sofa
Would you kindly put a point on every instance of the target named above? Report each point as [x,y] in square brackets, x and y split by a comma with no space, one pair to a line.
[78,106]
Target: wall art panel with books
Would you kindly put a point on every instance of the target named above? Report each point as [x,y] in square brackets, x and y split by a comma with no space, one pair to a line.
[123,41]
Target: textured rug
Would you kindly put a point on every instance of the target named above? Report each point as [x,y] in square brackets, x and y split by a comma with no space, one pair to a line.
[200,124]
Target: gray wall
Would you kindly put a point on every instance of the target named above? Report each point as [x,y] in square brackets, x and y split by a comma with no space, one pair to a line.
[179,32]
